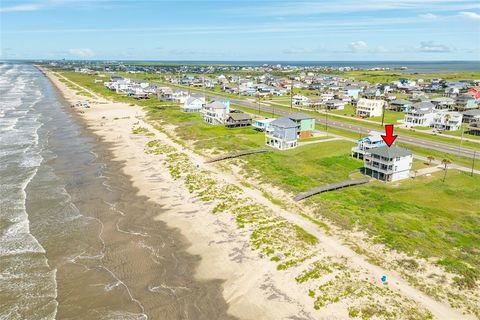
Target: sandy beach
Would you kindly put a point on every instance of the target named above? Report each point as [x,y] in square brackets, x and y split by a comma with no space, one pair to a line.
[252,286]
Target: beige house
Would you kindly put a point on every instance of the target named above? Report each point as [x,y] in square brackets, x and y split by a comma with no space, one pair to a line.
[367,108]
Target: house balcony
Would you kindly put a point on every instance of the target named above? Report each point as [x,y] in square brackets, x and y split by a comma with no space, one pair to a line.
[380,168]
[273,135]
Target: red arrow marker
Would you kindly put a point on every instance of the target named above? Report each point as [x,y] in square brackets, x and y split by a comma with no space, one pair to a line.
[389,137]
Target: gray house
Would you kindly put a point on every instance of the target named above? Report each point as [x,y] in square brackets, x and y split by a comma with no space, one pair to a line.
[281,134]
[471,116]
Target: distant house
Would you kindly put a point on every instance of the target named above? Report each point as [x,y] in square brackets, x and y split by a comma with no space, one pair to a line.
[447,120]
[281,134]
[238,119]
[216,112]
[367,108]
[352,92]
[471,116]
[335,104]
[305,124]
[474,128]
[388,163]
[193,104]
[262,124]
[443,103]
[300,100]
[374,140]
[474,92]
[400,105]
[419,96]
[465,102]
[372,93]
[421,114]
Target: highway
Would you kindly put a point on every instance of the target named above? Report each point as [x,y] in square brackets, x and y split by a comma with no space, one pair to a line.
[321,119]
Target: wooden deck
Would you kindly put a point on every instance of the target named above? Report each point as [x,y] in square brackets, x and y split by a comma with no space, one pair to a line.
[238,154]
[330,187]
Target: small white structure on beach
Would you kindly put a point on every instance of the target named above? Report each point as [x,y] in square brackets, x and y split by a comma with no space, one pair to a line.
[367,108]
[388,163]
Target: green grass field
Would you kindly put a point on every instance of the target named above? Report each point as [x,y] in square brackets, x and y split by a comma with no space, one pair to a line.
[425,215]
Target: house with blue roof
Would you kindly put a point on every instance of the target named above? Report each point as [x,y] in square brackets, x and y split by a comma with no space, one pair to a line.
[364,145]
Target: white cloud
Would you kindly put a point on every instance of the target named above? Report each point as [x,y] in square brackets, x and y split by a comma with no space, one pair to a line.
[358,46]
[430,46]
[428,16]
[21,8]
[82,52]
[470,15]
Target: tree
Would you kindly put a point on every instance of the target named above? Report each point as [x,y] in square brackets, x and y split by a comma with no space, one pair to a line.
[430,159]
[445,163]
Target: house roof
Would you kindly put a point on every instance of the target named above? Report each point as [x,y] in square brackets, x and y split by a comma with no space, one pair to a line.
[423,105]
[192,99]
[216,105]
[473,112]
[333,101]
[390,152]
[443,99]
[239,116]
[400,101]
[283,123]
[299,116]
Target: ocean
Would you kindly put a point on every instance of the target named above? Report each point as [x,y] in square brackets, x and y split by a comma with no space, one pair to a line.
[76,241]
[411,66]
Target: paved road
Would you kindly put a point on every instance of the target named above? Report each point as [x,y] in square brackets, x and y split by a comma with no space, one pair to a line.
[321,119]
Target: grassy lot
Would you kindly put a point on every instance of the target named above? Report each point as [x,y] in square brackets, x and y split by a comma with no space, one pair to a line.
[391,117]
[306,167]
[389,76]
[425,215]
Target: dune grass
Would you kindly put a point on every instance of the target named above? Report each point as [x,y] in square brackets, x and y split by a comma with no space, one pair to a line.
[425,215]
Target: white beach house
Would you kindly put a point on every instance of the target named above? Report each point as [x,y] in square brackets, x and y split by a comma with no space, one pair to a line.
[447,120]
[388,163]
[367,108]
[193,104]
[216,112]
[421,114]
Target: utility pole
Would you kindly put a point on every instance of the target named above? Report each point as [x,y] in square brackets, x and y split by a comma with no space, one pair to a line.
[383,112]
[326,120]
[473,161]
[258,102]
[291,95]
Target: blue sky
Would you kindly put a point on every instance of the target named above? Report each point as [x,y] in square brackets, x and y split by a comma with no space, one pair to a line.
[241,30]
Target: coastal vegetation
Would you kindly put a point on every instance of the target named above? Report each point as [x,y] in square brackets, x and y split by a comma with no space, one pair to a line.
[441,227]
